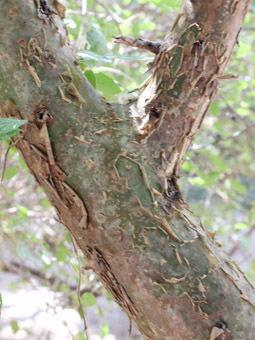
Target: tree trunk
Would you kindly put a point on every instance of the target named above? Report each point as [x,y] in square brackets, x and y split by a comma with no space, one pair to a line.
[112,178]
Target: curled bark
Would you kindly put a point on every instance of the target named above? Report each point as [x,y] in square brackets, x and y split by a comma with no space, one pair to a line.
[186,75]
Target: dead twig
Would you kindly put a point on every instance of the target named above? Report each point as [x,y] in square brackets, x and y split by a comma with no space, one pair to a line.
[148,45]
[79,287]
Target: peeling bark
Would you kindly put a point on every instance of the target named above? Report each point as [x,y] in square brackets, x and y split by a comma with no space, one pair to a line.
[115,188]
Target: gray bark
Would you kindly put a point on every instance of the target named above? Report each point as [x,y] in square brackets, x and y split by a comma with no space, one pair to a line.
[113,185]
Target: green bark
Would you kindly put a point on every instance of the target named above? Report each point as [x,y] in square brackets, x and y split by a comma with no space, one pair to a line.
[115,188]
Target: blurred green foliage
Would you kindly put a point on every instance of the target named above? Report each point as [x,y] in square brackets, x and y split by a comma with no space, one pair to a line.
[9,127]
[218,175]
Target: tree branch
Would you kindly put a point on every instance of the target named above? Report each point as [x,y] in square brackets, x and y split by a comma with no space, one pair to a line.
[185,77]
[116,192]
[148,45]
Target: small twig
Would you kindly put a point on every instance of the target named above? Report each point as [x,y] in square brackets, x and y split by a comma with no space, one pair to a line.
[79,287]
[79,279]
[5,161]
[237,245]
[111,15]
[151,46]
[130,326]
[219,140]
[234,135]
[80,37]
[228,76]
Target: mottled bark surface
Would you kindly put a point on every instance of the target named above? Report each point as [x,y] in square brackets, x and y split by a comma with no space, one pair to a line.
[113,180]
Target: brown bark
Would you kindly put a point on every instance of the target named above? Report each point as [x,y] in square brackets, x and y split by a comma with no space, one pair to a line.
[115,188]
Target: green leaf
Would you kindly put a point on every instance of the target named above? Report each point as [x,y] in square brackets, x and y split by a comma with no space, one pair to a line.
[238,186]
[88,299]
[214,108]
[22,212]
[28,331]
[242,111]
[106,85]
[13,151]
[79,336]
[243,49]
[11,286]
[10,172]
[196,181]
[97,41]
[212,178]
[90,3]
[104,330]
[241,226]
[62,252]
[92,56]
[218,163]
[91,77]
[9,127]
[22,251]
[6,227]
[127,56]
[14,326]
[88,56]
[186,166]
[136,28]
[108,296]
[251,215]
[45,202]
[22,164]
